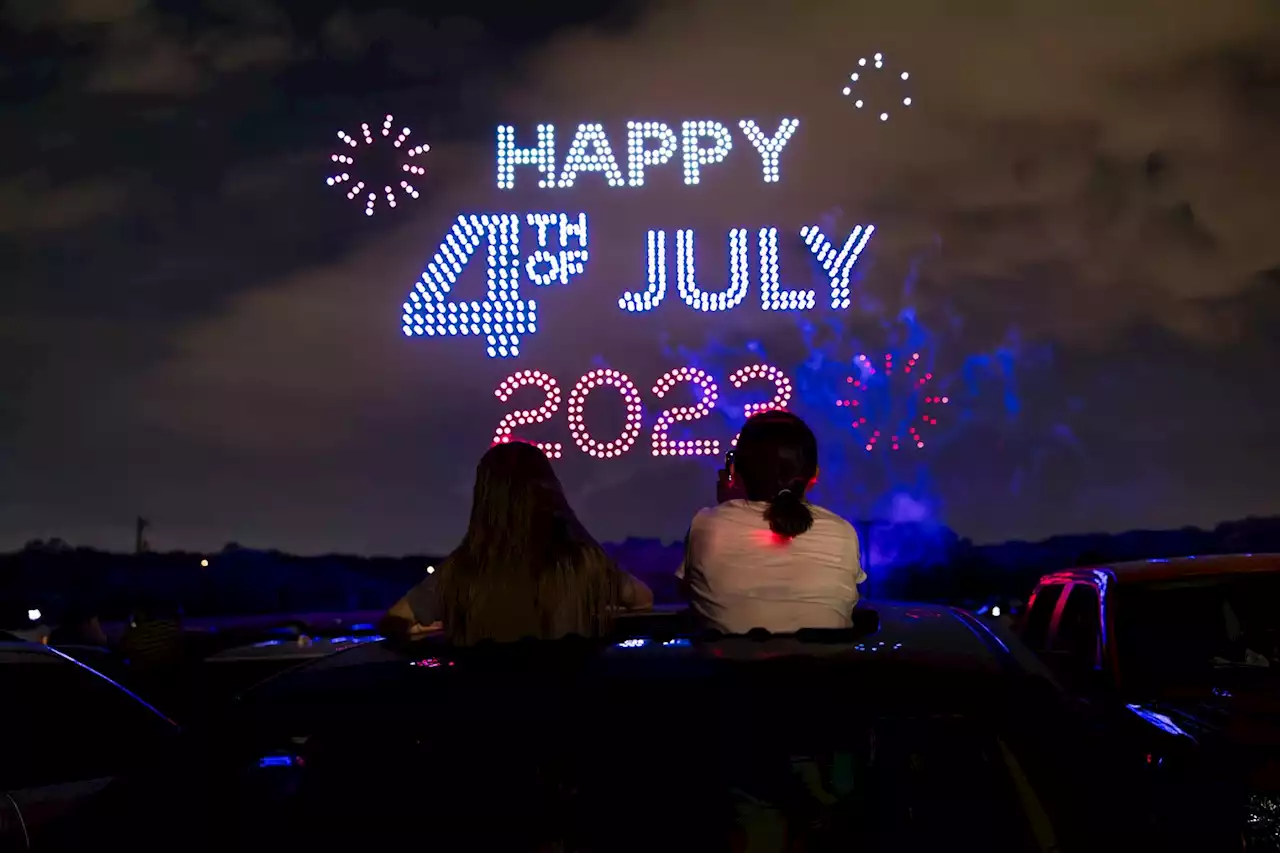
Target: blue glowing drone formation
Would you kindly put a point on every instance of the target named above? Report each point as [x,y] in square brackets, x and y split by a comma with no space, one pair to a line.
[556,250]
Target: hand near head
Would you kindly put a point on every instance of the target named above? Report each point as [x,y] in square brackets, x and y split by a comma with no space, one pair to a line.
[728,488]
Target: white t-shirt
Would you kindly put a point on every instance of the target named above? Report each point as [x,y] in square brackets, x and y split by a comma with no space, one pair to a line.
[741,575]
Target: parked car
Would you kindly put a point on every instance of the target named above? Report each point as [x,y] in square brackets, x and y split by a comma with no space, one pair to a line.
[919,729]
[1180,660]
[67,732]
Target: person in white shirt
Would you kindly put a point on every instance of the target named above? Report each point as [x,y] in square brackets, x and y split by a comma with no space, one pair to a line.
[771,559]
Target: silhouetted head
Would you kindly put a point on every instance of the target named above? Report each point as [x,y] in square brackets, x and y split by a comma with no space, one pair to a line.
[777,461]
[514,483]
[526,566]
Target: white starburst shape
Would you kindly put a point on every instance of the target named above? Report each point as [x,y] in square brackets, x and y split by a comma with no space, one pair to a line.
[868,69]
[358,184]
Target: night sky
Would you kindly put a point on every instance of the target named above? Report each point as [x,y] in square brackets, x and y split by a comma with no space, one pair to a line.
[1076,229]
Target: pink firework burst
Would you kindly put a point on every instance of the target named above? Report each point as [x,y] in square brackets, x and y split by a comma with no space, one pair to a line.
[877,407]
[361,187]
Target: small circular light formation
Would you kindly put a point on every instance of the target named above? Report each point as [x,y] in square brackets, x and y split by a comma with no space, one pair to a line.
[663,445]
[781,389]
[913,435]
[358,187]
[577,406]
[860,76]
[550,405]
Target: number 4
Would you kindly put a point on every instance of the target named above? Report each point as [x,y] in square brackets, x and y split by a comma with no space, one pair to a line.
[503,317]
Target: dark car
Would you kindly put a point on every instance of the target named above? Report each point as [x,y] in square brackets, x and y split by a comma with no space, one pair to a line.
[921,729]
[66,732]
[1180,659]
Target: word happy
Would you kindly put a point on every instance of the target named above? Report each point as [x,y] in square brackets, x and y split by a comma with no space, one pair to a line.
[649,144]
[505,316]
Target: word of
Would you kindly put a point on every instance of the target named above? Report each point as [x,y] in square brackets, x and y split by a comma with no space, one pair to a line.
[862,383]
[504,317]
[856,77]
[345,161]
[660,439]
[591,151]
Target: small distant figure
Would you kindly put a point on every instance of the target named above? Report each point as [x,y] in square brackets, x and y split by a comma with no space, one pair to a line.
[526,566]
[768,558]
[152,642]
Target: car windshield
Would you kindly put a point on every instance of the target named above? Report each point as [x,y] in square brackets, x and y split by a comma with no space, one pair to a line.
[1190,629]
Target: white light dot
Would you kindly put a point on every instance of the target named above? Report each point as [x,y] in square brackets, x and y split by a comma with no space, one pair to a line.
[858,104]
[884,116]
[431,570]
[906,102]
[905,75]
[847,90]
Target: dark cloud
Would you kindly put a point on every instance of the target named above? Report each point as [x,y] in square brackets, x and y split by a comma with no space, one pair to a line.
[1094,180]
[30,202]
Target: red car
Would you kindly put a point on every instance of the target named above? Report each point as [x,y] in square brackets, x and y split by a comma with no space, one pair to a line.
[1178,661]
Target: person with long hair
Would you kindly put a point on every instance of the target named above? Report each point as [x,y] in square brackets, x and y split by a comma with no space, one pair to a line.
[767,558]
[526,566]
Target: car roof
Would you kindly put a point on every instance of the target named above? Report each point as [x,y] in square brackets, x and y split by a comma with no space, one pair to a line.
[18,650]
[1174,568]
[909,634]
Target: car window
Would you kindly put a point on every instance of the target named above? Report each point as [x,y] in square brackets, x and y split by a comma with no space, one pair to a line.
[1187,630]
[1079,629]
[73,725]
[1040,614]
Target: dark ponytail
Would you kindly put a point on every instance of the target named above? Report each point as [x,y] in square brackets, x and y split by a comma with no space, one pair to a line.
[788,514]
[777,459]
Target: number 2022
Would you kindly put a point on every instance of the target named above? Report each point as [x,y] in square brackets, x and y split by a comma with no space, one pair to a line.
[663,444]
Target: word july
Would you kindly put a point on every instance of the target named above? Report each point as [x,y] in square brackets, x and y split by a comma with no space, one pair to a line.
[591,151]
[662,443]
[504,317]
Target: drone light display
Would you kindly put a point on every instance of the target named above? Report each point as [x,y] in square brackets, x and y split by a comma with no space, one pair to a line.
[872,388]
[553,248]
[660,441]
[346,162]
[866,70]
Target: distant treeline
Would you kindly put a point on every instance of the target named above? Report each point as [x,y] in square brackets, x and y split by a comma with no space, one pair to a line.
[904,561]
